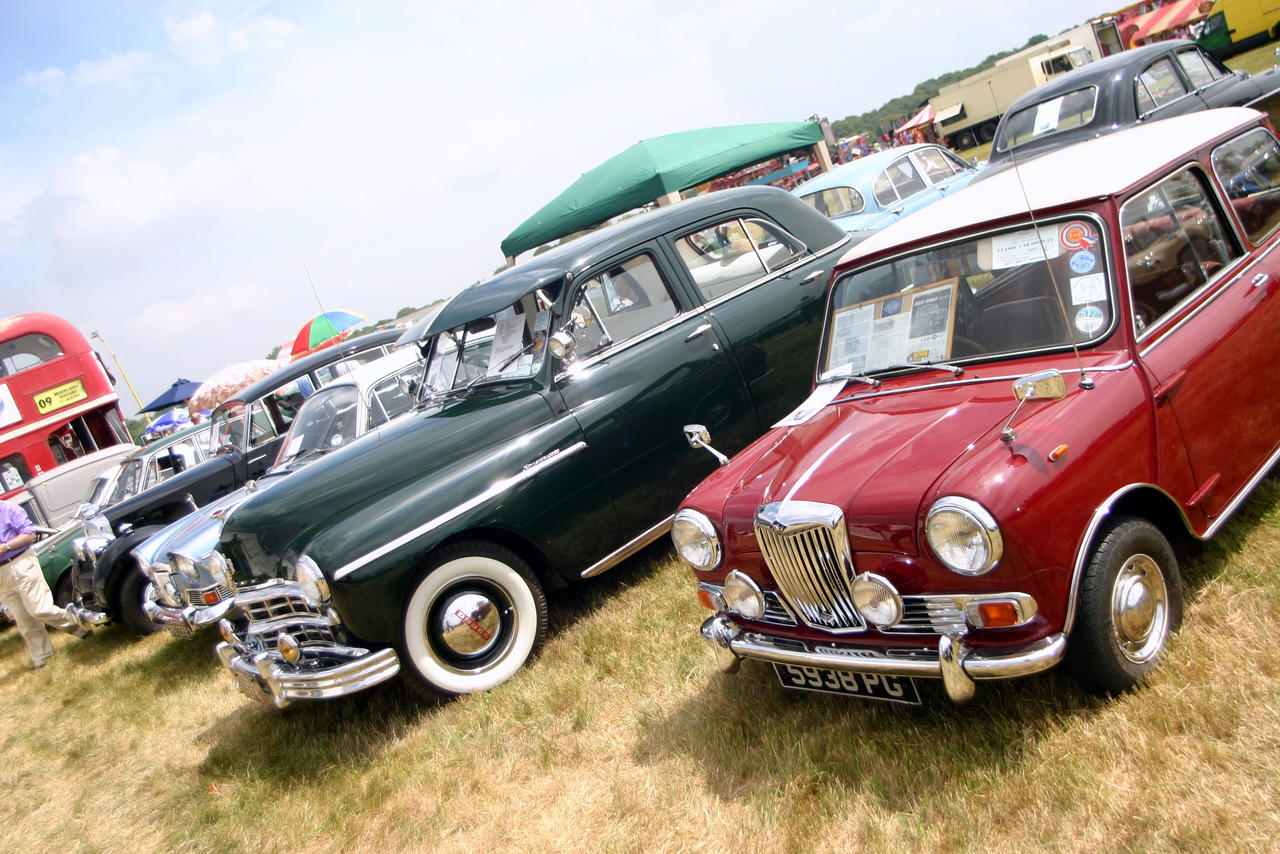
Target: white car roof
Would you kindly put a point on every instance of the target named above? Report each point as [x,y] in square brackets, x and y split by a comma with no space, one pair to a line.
[371,372]
[1085,171]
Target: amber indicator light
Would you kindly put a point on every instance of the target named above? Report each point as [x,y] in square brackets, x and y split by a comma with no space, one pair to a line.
[1058,453]
[704,596]
[998,614]
[211,597]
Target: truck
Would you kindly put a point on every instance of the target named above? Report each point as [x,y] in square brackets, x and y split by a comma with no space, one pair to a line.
[1234,26]
[966,112]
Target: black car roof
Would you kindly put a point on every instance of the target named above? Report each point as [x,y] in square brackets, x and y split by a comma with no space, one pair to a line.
[307,364]
[1127,63]
[816,232]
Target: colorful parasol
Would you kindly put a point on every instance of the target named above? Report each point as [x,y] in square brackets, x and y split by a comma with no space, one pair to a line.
[223,384]
[324,330]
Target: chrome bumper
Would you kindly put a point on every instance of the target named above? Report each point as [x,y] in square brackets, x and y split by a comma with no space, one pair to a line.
[266,677]
[183,622]
[957,664]
[86,617]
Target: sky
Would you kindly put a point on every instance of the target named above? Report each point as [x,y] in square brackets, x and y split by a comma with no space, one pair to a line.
[194,180]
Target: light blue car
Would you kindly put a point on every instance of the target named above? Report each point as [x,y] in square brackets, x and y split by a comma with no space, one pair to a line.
[872,192]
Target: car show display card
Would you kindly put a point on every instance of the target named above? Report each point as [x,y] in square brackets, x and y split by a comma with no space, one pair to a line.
[914,325]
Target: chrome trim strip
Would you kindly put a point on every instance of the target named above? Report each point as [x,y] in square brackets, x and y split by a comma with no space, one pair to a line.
[882,391]
[617,556]
[495,489]
[1241,496]
[262,677]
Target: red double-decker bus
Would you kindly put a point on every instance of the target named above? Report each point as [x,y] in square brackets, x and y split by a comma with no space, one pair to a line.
[56,399]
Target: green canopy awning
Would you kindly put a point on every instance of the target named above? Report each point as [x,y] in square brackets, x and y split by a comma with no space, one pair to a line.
[652,168]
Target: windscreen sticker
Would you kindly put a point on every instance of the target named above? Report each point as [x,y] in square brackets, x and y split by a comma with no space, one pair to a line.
[1083,262]
[1077,235]
[1013,249]
[1090,288]
[1089,319]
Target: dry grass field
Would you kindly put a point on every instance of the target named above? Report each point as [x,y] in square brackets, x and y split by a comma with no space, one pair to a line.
[622,737]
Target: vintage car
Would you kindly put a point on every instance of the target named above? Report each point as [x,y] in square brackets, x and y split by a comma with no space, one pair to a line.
[545,449]
[244,438]
[879,189]
[1168,78]
[190,587]
[1021,402]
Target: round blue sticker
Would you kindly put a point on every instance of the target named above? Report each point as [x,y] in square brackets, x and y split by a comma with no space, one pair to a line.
[1089,319]
[1083,261]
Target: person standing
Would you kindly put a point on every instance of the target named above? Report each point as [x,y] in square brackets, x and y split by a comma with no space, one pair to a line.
[23,590]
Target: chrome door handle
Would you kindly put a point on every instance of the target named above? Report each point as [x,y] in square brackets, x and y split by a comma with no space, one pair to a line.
[699,332]
[1261,280]
[815,275]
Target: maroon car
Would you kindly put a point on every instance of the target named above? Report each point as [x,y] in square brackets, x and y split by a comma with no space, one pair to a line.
[1024,393]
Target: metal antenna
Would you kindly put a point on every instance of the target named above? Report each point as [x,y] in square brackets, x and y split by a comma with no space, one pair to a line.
[1085,380]
[313,287]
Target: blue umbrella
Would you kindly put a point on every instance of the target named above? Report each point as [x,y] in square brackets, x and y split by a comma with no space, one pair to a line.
[175,395]
[171,420]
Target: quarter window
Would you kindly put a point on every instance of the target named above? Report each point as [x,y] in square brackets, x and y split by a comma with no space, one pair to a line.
[1158,85]
[1249,169]
[1174,242]
[620,303]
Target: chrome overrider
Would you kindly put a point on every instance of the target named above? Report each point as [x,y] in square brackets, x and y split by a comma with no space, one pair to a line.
[290,648]
[87,549]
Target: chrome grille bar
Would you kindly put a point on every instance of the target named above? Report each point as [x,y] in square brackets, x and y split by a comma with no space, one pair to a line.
[805,546]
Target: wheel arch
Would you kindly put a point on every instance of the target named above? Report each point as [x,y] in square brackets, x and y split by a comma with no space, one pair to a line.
[525,548]
[1140,500]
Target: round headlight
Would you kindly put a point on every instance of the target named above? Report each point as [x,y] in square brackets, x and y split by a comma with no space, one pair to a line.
[219,569]
[742,595]
[964,535]
[876,600]
[696,540]
[184,566]
[314,587]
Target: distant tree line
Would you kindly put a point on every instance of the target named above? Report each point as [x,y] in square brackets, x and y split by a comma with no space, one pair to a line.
[872,123]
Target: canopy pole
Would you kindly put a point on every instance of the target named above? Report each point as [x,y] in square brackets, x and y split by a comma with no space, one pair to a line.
[824,156]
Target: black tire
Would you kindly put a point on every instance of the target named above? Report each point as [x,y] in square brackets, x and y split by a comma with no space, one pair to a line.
[987,132]
[133,591]
[965,139]
[474,617]
[1130,604]
[63,592]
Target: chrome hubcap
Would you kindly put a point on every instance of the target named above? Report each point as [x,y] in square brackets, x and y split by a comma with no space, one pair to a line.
[469,624]
[1139,608]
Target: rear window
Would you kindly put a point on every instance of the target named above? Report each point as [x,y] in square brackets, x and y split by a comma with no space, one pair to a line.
[1071,110]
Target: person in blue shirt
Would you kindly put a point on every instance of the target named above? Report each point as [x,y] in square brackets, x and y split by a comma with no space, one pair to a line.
[23,590]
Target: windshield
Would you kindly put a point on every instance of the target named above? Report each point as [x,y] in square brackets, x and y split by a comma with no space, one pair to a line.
[128,483]
[1000,294]
[99,487]
[326,421]
[508,344]
[1072,110]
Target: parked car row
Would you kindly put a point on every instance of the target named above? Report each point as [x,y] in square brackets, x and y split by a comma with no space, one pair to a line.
[1016,412]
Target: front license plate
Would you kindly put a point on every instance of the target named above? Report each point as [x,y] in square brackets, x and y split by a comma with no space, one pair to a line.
[869,686]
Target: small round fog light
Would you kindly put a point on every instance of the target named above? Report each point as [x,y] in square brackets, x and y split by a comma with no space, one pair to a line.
[288,647]
[876,600]
[742,595]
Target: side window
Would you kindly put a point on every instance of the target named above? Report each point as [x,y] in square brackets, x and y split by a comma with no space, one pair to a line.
[260,427]
[13,472]
[898,181]
[1200,71]
[936,166]
[776,247]
[387,400]
[1249,169]
[620,303]
[1158,85]
[835,201]
[1174,241]
[720,258]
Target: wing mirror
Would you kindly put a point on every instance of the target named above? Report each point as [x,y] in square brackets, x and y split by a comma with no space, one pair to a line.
[562,342]
[1042,385]
[699,436]
[409,386]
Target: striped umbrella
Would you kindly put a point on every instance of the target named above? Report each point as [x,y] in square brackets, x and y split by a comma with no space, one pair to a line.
[324,330]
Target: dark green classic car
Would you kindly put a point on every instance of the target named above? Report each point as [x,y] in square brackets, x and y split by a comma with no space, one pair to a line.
[547,447]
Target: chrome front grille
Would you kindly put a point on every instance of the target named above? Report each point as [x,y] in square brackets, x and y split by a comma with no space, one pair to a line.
[938,615]
[805,547]
[270,608]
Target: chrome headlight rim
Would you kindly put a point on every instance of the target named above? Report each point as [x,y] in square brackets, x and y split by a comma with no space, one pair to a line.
[184,566]
[219,570]
[952,508]
[743,596]
[686,528]
[315,587]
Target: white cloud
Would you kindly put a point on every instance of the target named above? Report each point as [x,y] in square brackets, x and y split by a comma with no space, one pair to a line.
[48,80]
[265,33]
[203,39]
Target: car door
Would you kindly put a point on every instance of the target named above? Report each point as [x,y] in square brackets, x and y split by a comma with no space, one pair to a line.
[644,365]
[1206,315]
[1162,90]
[1215,85]
[766,294]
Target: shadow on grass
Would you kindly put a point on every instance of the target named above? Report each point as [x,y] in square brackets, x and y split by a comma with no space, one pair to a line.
[177,662]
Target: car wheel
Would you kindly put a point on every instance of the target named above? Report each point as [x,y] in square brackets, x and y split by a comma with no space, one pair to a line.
[1130,604]
[133,592]
[987,132]
[473,619]
[63,592]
